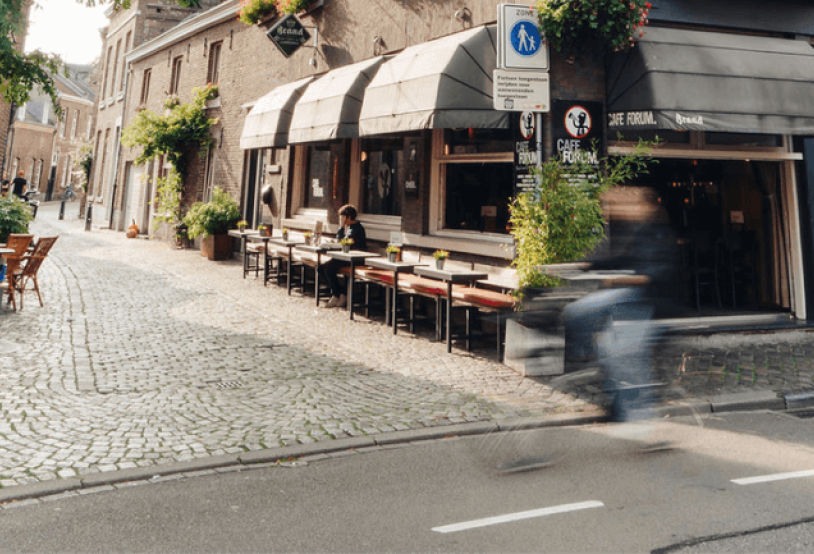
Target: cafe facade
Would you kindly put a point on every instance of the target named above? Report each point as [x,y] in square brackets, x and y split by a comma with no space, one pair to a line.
[389,106]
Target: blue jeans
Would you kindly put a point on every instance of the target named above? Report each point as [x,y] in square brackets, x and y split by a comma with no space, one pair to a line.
[615,326]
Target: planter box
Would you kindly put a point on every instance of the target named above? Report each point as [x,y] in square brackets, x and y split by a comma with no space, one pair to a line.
[535,339]
[217,247]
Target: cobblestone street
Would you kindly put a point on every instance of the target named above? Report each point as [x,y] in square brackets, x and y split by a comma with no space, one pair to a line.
[147,355]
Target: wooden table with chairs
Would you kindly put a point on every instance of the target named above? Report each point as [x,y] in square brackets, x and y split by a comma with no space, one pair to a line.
[244,236]
[450,277]
[391,304]
[290,245]
[353,257]
[319,250]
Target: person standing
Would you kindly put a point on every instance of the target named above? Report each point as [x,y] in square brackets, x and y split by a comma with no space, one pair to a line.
[19,184]
[349,228]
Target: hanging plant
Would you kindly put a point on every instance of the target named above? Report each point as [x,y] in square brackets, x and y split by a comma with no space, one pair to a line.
[571,24]
[255,11]
[562,221]
[180,130]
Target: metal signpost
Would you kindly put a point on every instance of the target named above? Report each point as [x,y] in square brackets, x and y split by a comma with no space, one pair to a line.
[521,84]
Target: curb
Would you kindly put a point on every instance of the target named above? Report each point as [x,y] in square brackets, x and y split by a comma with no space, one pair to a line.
[747,401]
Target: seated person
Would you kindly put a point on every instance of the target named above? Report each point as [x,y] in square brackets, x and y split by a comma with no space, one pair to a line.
[351,229]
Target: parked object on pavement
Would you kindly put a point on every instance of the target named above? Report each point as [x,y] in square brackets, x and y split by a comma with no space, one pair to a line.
[29,268]
[132,231]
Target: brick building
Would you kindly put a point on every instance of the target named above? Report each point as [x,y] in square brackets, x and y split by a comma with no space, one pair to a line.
[44,146]
[391,108]
[127,29]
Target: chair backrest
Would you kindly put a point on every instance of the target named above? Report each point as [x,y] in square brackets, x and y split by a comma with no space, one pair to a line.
[35,259]
[19,243]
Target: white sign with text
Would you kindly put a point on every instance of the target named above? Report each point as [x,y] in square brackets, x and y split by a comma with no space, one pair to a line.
[518,91]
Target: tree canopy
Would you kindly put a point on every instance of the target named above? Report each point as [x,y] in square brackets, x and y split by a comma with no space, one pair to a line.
[21,72]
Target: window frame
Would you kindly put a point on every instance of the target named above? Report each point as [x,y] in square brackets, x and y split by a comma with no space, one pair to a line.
[145,85]
[214,63]
[175,74]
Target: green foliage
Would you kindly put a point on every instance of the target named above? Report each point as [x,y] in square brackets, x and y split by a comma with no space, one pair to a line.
[569,24]
[14,216]
[169,190]
[84,161]
[215,217]
[181,129]
[562,219]
[255,11]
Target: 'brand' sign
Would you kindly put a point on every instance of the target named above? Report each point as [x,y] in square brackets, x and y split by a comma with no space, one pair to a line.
[288,34]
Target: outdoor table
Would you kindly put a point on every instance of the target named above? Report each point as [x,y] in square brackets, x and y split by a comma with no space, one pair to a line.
[319,251]
[243,235]
[396,268]
[353,257]
[290,244]
[450,277]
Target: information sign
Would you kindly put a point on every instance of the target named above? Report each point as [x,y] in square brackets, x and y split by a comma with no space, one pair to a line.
[521,90]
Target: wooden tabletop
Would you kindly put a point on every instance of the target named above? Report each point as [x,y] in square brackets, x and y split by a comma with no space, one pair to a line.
[451,275]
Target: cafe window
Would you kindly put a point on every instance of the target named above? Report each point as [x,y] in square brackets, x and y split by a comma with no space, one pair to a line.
[477,176]
[384,164]
[323,174]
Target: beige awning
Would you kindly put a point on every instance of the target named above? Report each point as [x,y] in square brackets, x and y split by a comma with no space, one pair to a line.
[267,124]
[439,84]
[329,107]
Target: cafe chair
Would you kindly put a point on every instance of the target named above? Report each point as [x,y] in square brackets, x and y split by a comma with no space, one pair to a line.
[739,263]
[29,268]
[704,266]
[19,243]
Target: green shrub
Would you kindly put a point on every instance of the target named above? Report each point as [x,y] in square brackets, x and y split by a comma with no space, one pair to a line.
[14,216]
[215,217]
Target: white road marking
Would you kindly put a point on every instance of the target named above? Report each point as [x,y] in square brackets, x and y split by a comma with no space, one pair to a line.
[774,477]
[507,518]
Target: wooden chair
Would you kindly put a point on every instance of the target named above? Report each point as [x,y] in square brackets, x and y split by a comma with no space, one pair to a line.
[27,273]
[20,244]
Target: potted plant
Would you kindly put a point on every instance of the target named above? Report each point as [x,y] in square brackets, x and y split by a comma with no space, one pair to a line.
[263,230]
[241,225]
[14,216]
[346,244]
[393,253]
[440,257]
[211,221]
[307,236]
[559,222]
[285,234]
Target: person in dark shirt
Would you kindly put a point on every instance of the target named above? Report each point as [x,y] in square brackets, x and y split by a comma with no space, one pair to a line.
[19,184]
[349,228]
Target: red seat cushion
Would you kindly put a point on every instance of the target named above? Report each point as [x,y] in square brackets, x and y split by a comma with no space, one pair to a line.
[426,286]
[484,297]
[374,274]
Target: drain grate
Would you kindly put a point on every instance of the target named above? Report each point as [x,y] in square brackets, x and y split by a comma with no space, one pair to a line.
[808,413]
[226,385]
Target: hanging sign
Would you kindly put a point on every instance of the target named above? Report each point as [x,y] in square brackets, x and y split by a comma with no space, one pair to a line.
[525,151]
[520,44]
[288,34]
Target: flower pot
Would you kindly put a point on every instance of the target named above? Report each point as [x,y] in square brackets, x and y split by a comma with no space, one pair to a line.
[217,247]
[346,248]
[439,263]
[308,241]
[392,257]
[285,236]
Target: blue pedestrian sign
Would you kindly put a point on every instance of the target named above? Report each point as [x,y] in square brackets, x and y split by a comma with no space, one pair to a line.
[525,38]
[520,44]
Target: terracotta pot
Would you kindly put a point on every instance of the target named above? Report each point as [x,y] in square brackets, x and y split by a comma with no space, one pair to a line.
[217,247]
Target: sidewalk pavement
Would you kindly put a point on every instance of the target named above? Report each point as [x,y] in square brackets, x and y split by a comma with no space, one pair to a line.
[148,362]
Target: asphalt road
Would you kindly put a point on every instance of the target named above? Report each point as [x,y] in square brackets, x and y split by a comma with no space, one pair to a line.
[601,494]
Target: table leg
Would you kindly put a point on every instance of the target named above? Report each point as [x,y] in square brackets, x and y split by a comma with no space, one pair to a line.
[395,309]
[265,262]
[288,271]
[316,277]
[387,303]
[350,288]
[245,257]
[449,317]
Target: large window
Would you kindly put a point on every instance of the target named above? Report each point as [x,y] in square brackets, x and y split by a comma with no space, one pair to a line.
[326,179]
[477,176]
[383,175]
[175,78]
[74,123]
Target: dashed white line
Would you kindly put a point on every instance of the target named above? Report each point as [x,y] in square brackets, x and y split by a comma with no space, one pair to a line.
[507,518]
[773,477]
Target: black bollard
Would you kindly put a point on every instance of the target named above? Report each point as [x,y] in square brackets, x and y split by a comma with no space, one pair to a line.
[88,216]
[62,210]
